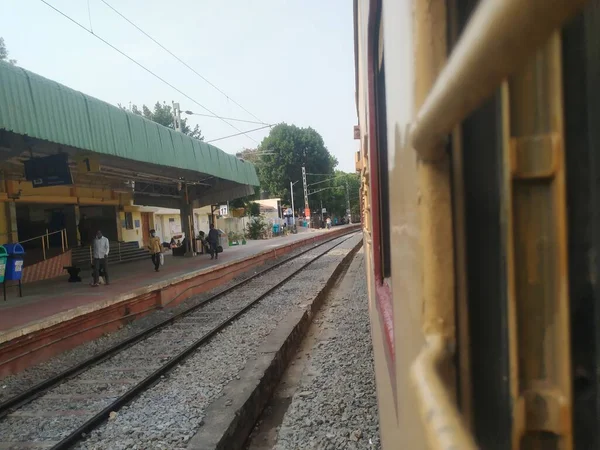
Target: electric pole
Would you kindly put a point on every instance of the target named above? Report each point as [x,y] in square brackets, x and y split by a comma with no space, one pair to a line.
[305,189]
[293,210]
[348,204]
[321,212]
[176,117]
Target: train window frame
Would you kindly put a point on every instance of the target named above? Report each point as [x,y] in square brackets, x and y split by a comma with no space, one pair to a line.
[378,197]
[379,155]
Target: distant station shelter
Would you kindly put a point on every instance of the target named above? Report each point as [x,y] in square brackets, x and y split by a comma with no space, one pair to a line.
[65,156]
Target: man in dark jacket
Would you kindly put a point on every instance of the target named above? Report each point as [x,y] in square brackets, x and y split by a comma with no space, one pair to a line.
[213,241]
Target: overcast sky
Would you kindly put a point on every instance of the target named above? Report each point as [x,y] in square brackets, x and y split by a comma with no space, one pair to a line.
[283,60]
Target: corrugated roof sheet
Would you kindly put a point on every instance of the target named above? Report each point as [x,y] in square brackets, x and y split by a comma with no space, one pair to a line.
[38,107]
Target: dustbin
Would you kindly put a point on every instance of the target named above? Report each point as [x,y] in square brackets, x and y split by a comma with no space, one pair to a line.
[3,256]
[14,262]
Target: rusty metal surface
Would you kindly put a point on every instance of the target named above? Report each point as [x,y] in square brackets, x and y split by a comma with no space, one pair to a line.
[538,269]
[499,38]
[443,422]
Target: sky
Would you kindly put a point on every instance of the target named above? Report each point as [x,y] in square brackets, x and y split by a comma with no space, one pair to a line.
[283,60]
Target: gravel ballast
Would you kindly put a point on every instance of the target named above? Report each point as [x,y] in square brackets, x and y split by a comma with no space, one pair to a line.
[169,413]
[335,403]
[15,384]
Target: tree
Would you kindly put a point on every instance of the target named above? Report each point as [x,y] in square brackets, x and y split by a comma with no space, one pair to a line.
[280,156]
[163,114]
[4,53]
[253,209]
[343,187]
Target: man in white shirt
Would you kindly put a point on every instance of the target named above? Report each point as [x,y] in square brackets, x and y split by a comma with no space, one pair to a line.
[101,249]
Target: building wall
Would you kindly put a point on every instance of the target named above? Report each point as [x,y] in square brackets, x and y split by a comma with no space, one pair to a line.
[135,234]
[5,234]
[168,228]
[235,224]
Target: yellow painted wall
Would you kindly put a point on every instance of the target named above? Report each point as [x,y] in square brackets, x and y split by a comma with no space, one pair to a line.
[135,234]
[25,192]
[4,223]
[27,189]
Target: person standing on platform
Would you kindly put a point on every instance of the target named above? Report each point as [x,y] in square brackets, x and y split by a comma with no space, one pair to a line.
[155,249]
[101,249]
[213,241]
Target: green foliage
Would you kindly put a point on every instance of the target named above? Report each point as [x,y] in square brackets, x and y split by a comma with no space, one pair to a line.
[256,228]
[335,200]
[280,156]
[245,202]
[234,237]
[163,114]
[4,53]
[253,209]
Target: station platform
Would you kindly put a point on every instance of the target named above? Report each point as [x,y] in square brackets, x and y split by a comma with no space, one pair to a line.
[54,315]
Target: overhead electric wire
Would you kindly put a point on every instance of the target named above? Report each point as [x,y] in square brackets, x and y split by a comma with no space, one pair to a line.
[190,113]
[237,134]
[323,181]
[148,70]
[179,59]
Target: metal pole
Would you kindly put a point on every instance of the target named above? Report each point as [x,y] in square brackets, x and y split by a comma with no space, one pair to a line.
[293,211]
[348,204]
[321,211]
[176,117]
[305,189]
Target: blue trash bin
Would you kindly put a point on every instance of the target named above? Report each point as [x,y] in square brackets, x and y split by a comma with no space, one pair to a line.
[14,262]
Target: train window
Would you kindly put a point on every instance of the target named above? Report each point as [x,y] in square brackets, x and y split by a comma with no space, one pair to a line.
[382,158]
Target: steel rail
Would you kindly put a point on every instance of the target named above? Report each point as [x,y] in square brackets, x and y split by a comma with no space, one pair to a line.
[143,385]
[32,393]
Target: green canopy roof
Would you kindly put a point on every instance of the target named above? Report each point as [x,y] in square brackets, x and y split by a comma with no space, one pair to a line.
[35,106]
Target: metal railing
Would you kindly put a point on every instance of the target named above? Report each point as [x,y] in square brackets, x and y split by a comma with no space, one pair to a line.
[443,423]
[111,253]
[45,240]
[497,40]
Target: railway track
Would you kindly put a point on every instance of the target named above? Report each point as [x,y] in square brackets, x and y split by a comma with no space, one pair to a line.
[99,383]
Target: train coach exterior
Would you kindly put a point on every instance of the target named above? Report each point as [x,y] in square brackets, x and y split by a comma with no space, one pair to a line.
[463,129]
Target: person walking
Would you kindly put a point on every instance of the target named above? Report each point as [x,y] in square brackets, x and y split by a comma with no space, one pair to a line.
[155,249]
[213,241]
[101,249]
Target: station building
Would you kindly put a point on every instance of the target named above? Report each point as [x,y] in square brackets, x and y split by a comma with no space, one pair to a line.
[65,156]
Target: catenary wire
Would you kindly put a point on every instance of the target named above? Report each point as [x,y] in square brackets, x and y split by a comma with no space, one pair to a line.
[237,134]
[146,69]
[178,59]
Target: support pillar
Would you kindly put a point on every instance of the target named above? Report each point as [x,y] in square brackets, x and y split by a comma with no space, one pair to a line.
[71,221]
[11,218]
[186,226]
